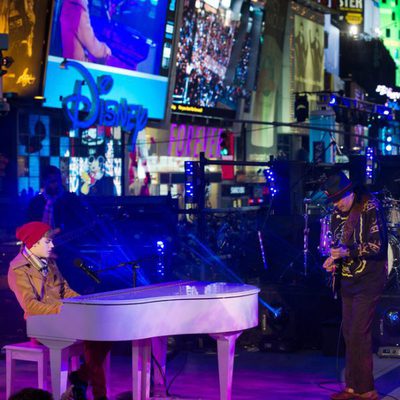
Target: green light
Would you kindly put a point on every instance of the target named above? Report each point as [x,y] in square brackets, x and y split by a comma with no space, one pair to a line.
[224,152]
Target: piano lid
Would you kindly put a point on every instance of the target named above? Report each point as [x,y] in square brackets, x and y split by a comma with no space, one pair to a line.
[179,290]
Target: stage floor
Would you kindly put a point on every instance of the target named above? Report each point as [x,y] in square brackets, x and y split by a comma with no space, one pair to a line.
[257,376]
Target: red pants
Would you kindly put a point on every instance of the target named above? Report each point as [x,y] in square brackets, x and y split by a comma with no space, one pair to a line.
[92,370]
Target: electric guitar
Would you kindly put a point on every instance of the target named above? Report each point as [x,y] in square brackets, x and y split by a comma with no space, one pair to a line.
[345,236]
[336,274]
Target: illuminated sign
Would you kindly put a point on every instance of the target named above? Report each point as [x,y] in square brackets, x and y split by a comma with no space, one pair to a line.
[388,92]
[191,140]
[353,11]
[237,190]
[183,108]
[351,5]
[130,117]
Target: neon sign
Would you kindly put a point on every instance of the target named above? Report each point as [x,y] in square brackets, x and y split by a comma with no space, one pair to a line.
[190,140]
[130,117]
[388,92]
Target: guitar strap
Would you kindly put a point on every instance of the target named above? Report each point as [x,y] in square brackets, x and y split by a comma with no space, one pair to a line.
[351,222]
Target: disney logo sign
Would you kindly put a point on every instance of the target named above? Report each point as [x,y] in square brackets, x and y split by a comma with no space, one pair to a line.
[131,117]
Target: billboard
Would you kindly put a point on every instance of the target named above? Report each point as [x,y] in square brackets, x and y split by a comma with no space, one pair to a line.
[129,41]
[309,55]
[26,22]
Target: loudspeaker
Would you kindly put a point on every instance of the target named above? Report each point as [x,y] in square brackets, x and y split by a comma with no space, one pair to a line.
[386,324]
[290,187]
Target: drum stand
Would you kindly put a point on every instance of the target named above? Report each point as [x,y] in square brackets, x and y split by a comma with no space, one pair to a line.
[393,279]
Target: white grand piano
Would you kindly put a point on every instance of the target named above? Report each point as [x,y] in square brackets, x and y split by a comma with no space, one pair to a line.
[146,316]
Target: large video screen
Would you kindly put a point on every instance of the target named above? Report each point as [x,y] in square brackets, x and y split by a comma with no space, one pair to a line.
[217,56]
[127,39]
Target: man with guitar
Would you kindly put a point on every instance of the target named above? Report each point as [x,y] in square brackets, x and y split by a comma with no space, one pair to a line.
[359,261]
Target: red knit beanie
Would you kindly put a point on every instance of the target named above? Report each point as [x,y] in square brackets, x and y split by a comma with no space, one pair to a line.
[32,232]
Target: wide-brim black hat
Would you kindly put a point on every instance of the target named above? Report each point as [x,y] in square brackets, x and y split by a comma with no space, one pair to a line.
[337,186]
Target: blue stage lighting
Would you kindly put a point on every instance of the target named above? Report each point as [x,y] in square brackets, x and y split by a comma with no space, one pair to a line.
[161,261]
[270,178]
[369,165]
[191,177]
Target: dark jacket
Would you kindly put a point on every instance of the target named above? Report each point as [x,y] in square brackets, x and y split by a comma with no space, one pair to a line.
[365,268]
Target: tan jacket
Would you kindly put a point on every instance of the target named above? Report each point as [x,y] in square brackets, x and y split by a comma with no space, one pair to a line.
[77,33]
[35,293]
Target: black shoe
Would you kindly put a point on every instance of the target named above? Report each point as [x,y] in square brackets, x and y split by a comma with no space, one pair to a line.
[78,386]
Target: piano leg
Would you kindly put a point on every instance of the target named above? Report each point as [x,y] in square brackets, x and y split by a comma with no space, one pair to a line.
[226,354]
[58,365]
[159,350]
[141,369]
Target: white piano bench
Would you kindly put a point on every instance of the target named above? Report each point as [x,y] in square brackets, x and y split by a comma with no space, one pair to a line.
[36,352]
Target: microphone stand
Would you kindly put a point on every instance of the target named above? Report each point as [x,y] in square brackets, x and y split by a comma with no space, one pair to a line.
[134,264]
[305,251]
[333,143]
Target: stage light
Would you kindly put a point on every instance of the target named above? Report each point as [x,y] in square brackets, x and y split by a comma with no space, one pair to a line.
[226,145]
[191,177]
[370,165]
[270,179]
[161,262]
[301,107]
[392,321]
[388,139]
[223,145]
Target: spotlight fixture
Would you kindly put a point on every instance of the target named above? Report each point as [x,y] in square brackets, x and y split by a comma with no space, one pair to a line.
[301,109]
[392,321]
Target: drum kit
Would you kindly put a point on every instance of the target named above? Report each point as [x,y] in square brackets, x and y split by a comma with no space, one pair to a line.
[392,212]
[391,209]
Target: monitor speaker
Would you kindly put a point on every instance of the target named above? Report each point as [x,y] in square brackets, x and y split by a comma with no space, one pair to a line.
[386,325]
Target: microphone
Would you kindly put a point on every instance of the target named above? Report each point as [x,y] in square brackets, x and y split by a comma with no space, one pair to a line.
[78,262]
[123,264]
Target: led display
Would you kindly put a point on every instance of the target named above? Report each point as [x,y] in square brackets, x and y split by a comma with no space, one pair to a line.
[217,56]
[129,40]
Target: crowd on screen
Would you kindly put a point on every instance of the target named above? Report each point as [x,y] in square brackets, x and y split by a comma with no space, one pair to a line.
[206,43]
